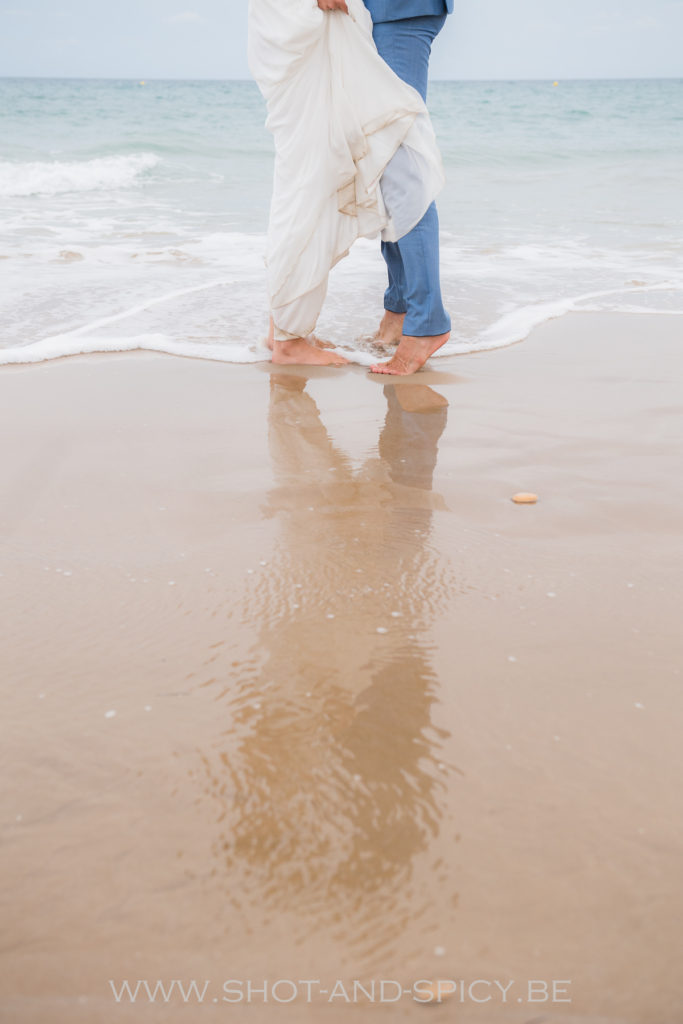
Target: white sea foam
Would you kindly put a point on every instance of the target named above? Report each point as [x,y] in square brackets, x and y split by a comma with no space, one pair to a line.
[517,324]
[82,344]
[510,328]
[115,295]
[82,340]
[55,177]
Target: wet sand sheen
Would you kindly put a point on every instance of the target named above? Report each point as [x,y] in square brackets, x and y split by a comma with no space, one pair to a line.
[372,720]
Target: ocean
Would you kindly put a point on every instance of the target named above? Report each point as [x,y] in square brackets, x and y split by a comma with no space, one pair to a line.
[134,214]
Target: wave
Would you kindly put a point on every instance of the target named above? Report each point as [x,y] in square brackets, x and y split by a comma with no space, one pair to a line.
[80,344]
[51,178]
[517,324]
[512,327]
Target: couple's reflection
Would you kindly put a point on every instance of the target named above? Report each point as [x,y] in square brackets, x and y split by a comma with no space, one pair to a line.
[332,762]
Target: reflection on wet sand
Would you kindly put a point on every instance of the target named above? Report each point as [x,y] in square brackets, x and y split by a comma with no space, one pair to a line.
[165,596]
[329,781]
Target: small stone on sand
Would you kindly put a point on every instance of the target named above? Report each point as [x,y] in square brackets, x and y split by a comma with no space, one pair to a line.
[432,992]
[525,498]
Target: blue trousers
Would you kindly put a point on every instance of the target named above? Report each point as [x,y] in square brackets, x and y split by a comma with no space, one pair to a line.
[413,261]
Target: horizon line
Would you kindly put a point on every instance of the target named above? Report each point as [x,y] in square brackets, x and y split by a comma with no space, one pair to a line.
[539,78]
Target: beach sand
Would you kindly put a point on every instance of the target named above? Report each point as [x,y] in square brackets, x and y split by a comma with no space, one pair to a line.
[292,689]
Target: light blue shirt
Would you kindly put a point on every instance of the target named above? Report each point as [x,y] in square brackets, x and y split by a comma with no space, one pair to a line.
[396,10]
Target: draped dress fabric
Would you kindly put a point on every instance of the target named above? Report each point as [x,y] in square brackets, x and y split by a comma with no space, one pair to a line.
[355,151]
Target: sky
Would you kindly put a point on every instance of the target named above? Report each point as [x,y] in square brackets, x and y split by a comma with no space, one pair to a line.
[484,39]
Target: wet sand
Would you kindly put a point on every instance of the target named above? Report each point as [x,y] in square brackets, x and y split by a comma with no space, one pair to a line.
[372,720]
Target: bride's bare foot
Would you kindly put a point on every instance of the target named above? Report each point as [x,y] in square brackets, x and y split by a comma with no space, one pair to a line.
[390,329]
[318,342]
[411,354]
[298,351]
[311,340]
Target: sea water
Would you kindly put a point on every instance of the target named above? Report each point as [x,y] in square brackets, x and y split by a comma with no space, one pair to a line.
[134,214]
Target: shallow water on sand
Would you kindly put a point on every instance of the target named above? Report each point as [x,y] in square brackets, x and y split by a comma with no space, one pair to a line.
[134,216]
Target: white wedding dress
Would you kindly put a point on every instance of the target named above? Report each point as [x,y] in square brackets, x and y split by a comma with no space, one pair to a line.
[355,150]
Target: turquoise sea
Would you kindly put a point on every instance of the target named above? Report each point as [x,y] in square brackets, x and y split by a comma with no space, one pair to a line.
[134,214]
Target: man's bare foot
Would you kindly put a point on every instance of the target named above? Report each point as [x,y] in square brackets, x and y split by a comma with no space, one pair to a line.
[411,354]
[299,352]
[271,334]
[391,328]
